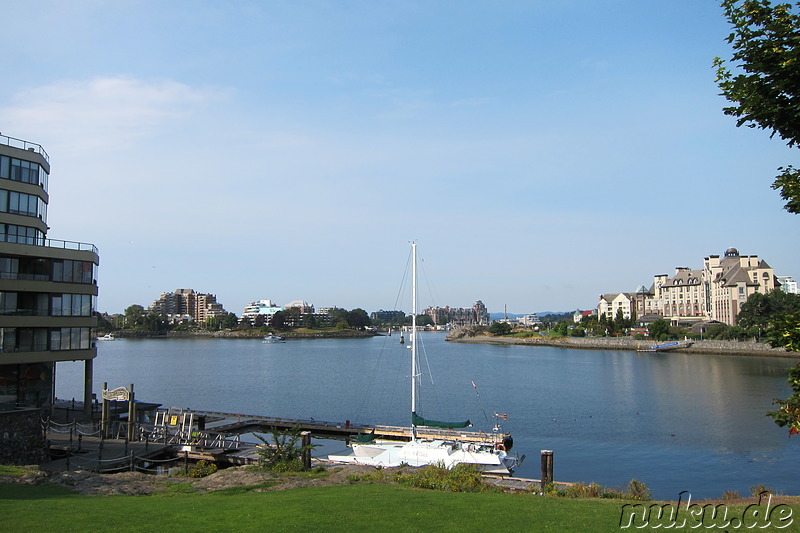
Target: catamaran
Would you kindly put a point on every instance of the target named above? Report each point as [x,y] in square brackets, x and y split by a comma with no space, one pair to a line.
[488,456]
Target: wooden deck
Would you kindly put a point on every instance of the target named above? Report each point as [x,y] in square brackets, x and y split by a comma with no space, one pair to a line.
[240,423]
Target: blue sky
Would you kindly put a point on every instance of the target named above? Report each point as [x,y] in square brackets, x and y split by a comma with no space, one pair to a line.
[541,152]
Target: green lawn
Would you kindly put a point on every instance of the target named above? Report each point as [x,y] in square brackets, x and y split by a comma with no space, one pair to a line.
[362,507]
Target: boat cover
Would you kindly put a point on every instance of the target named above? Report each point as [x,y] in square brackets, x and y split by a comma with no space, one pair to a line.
[419,421]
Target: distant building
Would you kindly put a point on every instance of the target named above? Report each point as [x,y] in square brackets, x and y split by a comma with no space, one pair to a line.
[392,317]
[787,284]
[477,315]
[304,307]
[613,303]
[579,315]
[199,306]
[530,320]
[259,313]
[715,293]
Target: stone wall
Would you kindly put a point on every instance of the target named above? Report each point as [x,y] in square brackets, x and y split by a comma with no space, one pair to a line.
[22,440]
[628,343]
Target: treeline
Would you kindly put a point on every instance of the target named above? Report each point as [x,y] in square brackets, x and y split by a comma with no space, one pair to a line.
[138,320]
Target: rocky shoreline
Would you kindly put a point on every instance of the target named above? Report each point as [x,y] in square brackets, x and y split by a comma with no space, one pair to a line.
[629,343]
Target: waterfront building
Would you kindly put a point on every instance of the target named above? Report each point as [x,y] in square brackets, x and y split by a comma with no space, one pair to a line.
[730,280]
[612,304]
[48,288]
[680,296]
[259,313]
[714,293]
[199,306]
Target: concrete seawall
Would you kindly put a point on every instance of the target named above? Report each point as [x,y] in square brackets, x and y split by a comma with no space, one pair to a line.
[628,343]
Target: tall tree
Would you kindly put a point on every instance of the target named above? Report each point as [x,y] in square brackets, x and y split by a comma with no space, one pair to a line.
[765,88]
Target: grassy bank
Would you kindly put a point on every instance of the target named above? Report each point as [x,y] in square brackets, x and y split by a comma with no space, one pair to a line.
[359,507]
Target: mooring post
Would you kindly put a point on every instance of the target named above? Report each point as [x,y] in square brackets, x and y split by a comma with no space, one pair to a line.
[547,468]
[104,413]
[306,447]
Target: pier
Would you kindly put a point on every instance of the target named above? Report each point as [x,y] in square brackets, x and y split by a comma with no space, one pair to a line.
[78,440]
[221,422]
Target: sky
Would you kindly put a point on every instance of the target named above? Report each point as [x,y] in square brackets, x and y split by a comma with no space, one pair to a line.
[540,152]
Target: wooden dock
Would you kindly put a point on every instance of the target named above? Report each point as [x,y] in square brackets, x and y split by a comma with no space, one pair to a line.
[241,423]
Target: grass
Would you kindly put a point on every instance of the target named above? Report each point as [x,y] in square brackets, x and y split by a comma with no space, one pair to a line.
[348,507]
[358,507]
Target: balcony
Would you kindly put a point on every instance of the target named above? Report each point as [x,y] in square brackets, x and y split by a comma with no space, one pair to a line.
[24,145]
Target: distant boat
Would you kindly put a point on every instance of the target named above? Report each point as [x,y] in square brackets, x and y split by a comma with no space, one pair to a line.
[106,337]
[666,347]
[272,338]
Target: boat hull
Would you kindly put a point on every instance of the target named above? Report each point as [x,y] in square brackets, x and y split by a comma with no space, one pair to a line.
[429,452]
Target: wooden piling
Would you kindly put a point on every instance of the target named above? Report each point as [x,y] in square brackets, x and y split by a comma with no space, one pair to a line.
[306,444]
[547,468]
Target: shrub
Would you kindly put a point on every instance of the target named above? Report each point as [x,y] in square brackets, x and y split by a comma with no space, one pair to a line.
[203,468]
[638,491]
[461,478]
[285,453]
[758,489]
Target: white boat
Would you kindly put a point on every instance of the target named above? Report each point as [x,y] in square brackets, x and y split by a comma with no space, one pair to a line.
[490,457]
[268,339]
[106,337]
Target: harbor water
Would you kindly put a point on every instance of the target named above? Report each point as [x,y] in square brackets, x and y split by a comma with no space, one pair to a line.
[676,422]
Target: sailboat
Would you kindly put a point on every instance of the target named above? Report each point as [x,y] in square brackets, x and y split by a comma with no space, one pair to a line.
[490,456]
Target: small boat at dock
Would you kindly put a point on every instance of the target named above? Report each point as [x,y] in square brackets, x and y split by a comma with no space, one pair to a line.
[666,347]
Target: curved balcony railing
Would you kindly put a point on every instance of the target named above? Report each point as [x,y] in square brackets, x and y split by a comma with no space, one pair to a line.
[25,145]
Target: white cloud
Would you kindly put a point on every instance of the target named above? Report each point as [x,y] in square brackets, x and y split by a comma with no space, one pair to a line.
[103,112]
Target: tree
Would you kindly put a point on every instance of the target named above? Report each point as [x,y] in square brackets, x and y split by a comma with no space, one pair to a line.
[659,329]
[278,321]
[134,316]
[358,319]
[766,87]
[230,321]
[760,310]
[500,328]
[212,323]
[788,412]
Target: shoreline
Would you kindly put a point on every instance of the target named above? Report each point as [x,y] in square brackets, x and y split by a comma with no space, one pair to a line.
[628,343]
[288,335]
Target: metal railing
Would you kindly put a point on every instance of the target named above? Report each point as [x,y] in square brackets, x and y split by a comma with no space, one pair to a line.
[24,145]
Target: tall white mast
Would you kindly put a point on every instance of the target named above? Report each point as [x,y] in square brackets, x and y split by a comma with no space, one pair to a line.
[413,337]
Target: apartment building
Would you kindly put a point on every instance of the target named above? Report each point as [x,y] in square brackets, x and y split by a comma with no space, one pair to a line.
[48,288]
[186,302]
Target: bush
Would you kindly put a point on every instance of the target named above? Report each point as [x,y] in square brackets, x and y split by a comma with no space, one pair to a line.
[638,491]
[285,453]
[461,478]
[203,468]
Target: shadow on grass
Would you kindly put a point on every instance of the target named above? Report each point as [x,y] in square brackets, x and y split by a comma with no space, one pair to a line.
[16,491]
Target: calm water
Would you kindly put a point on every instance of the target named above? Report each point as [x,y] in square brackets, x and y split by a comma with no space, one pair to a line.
[675,421]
